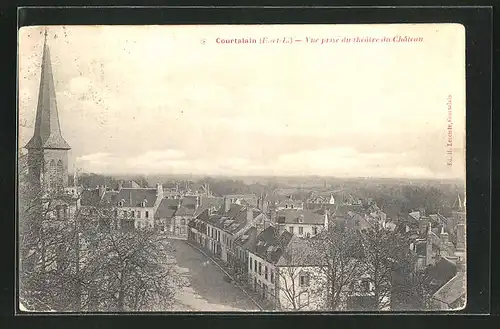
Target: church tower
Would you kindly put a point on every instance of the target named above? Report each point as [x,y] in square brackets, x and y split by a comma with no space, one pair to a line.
[47,149]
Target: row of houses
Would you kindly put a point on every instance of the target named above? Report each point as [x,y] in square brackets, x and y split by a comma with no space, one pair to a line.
[272,255]
[254,236]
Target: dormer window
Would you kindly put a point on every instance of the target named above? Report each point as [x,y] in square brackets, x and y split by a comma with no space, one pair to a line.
[365,285]
[121,203]
[143,203]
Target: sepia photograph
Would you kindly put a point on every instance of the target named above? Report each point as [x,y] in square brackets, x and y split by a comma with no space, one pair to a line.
[241,168]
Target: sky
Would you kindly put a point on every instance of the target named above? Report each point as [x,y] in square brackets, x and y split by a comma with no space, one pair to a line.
[170,99]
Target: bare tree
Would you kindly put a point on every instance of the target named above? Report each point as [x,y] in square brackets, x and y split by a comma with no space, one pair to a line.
[340,252]
[296,257]
[128,271]
[83,261]
[392,268]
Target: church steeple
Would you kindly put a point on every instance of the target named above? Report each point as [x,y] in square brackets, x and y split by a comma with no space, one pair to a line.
[47,128]
[47,149]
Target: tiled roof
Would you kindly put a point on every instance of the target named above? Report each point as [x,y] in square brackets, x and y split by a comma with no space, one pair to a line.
[452,290]
[212,201]
[109,196]
[234,209]
[187,207]
[132,197]
[295,203]
[130,184]
[441,272]
[300,217]
[247,239]
[166,208]
[90,198]
[298,253]
[240,221]
[269,245]
[345,210]
[203,216]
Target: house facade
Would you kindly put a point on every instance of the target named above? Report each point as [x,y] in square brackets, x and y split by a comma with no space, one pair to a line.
[302,223]
[282,270]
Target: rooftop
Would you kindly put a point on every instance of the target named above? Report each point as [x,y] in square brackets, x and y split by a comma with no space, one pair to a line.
[300,217]
[133,197]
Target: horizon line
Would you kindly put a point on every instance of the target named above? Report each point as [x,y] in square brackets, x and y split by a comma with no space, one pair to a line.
[145,175]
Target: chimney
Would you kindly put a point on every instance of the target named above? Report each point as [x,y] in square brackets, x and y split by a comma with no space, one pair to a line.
[460,237]
[460,266]
[444,237]
[227,204]
[260,227]
[249,214]
[102,190]
[281,229]
[159,191]
[428,247]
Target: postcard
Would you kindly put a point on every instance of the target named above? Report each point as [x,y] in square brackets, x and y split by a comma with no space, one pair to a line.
[242,168]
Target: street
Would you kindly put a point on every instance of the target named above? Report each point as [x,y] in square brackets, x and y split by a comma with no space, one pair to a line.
[208,290]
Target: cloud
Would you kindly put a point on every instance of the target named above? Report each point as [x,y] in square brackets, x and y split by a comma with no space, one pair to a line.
[178,106]
[154,158]
[94,157]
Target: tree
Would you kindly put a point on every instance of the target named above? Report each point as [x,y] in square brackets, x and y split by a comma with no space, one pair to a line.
[128,271]
[410,285]
[391,267]
[339,251]
[81,259]
[296,257]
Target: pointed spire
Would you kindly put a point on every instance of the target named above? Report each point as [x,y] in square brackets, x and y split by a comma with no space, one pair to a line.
[47,128]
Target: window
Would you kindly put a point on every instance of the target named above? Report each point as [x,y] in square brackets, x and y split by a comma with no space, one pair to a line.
[139,214]
[147,214]
[183,222]
[365,285]
[116,213]
[260,268]
[291,229]
[133,214]
[272,277]
[315,230]
[250,264]
[255,265]
[265,272]
[308,235]
[291,206]
[304,280]
[286,206]
[301,230]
